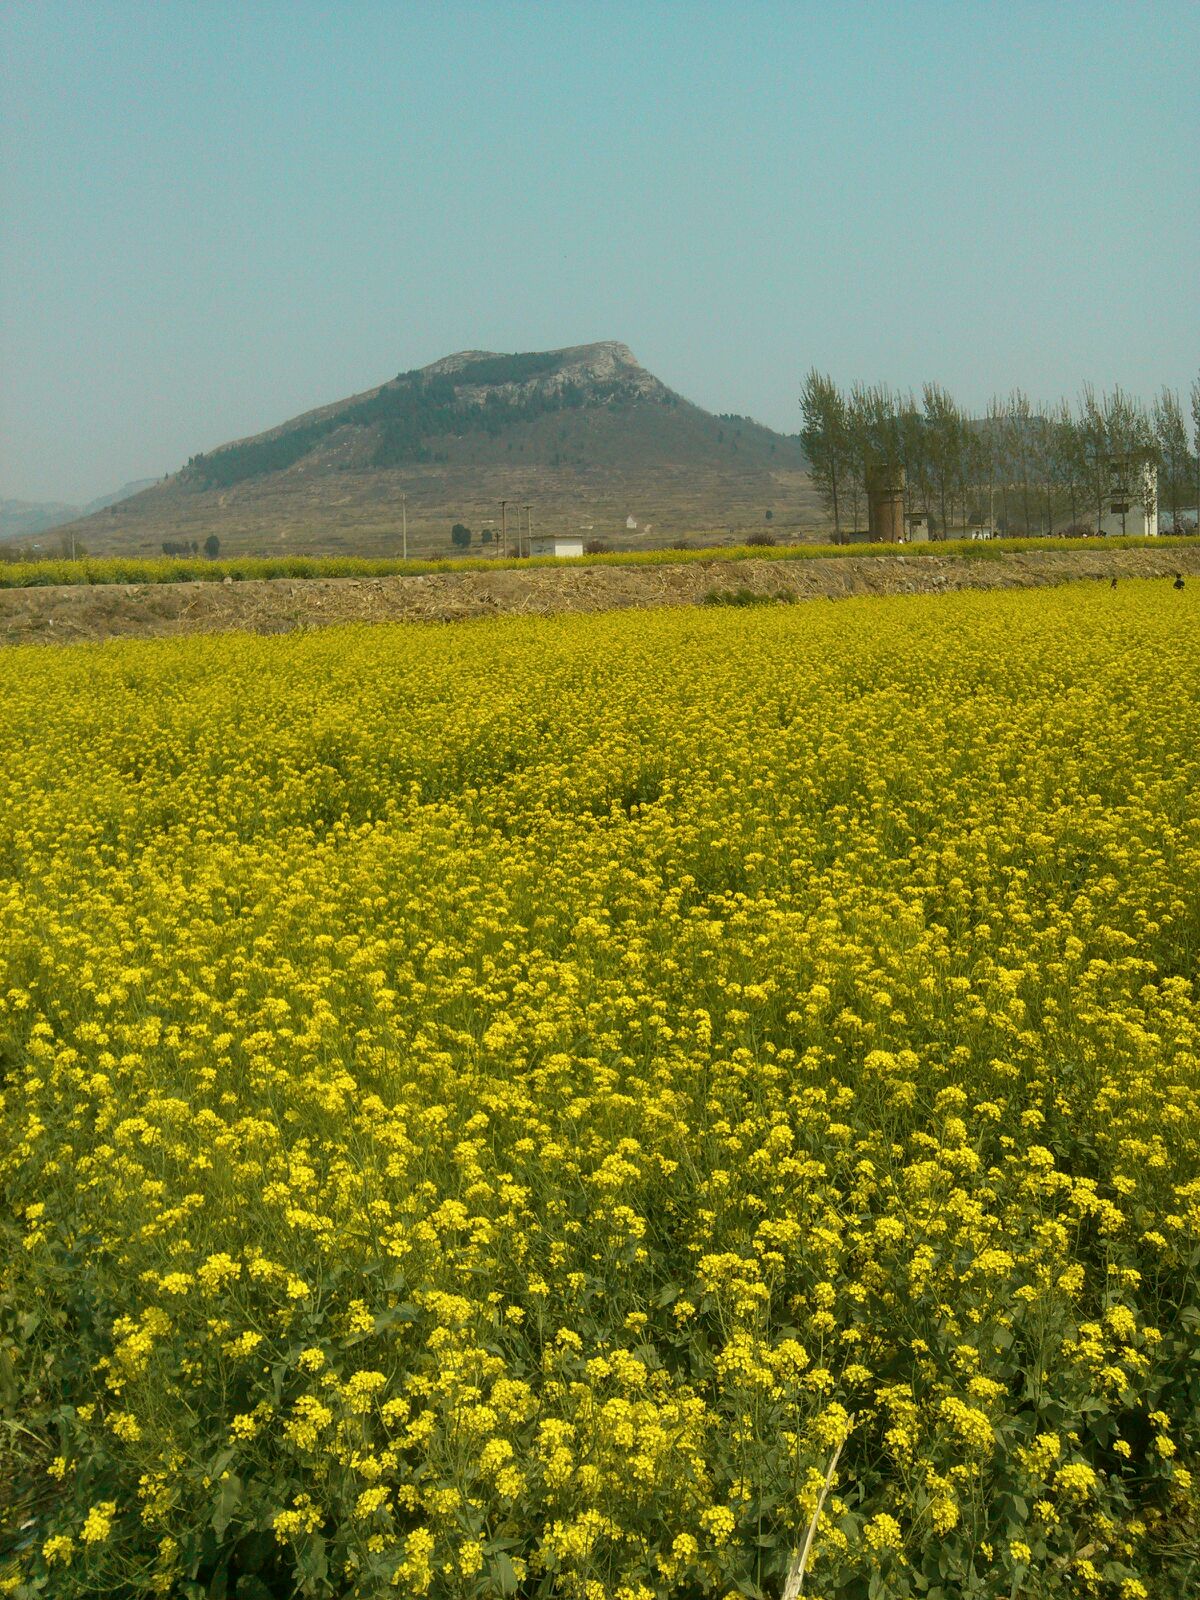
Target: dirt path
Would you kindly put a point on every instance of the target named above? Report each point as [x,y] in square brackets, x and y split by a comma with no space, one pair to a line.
[68,614]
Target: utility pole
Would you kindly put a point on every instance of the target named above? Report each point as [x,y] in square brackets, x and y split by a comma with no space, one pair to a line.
[504,527]
[404,512]
[528,531]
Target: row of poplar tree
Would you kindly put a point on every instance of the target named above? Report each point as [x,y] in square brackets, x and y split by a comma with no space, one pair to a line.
[1019,469]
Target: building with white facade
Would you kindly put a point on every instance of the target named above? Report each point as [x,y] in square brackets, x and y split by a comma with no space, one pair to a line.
[1133,499]
[553,545]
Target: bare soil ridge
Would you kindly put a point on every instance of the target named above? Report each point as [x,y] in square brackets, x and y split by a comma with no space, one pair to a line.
[68,614]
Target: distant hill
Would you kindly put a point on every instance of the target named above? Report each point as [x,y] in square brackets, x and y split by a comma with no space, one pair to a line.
[585,435]
[24,519]
[125,492]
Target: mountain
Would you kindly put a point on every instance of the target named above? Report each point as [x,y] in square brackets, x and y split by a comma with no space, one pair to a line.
[125,492]
[24,519]
[586,436]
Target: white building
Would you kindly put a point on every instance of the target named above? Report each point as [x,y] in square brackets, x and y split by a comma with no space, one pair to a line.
[551,545]
[1133,500]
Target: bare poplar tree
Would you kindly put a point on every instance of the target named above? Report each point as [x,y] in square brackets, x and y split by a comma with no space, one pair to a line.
[879,415]
[1131,444]
[1093,434]
[914,454]
[857,431]
[1019,441]
[999,474]
[943,435]
[825,438]
[1069,460]
[1171,433]
[1042,443]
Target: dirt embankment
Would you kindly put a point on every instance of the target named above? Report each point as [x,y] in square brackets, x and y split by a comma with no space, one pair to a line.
[68,614]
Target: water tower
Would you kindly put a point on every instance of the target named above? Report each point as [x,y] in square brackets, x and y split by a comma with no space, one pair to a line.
[885,503]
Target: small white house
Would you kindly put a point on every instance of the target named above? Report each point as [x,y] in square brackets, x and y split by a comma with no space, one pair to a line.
[916,527]
[631,524]
[552,545]
[1132,501]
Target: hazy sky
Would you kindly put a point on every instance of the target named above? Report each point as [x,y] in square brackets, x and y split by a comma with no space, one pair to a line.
[215,216]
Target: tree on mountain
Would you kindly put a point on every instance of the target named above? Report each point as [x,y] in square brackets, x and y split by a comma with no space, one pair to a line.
[825,439]
[461,535]
[212,547]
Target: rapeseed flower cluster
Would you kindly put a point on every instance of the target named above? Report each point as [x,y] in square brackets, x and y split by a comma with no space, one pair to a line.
[493,1111]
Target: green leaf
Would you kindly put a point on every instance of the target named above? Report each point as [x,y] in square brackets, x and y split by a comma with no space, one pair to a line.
[501,1570]
[228,1501]
[405,1312]
[252,1588]
[312,1562]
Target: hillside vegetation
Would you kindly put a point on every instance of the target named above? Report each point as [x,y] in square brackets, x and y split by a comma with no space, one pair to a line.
[585,435]
[519,1110]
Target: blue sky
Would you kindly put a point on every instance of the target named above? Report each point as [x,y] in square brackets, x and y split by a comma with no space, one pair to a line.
[215,216]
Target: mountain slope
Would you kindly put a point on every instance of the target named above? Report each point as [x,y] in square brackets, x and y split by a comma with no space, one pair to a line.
[23,519]
[584,435]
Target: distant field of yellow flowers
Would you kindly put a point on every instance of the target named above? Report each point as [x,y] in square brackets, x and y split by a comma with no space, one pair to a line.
[490,1111]
[93,570]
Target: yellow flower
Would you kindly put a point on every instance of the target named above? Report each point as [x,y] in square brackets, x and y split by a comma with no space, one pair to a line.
[557,1075]
[882,1532]
[98,1523]
[719,1523]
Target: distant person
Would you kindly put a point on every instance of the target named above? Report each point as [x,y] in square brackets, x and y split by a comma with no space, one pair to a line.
[1178,584]
[1113,584]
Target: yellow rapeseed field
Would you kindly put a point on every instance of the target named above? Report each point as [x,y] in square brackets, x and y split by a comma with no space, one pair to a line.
[490,1111]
